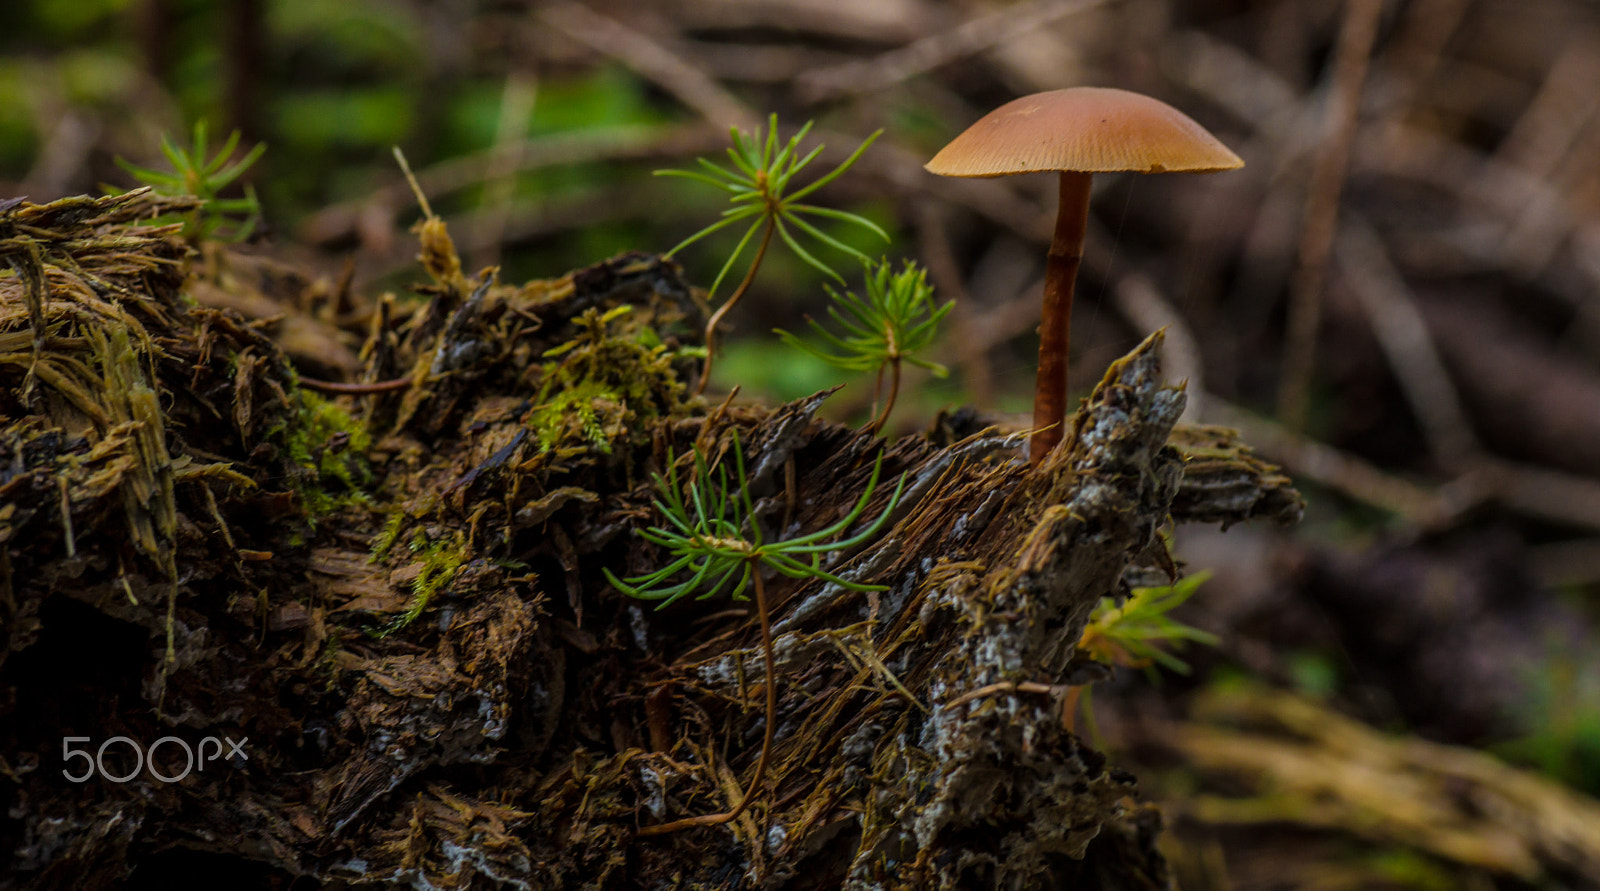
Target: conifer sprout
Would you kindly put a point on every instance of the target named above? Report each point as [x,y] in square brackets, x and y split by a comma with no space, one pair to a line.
[714,536]
[757,187]
[195,174]
[894,322]
[1132,634]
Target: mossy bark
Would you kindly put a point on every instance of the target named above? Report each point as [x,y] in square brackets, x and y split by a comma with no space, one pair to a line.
[435,684]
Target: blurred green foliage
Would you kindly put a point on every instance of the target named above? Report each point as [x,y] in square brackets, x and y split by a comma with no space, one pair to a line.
[1406,868]
[1139,632]
[65,20]
[1313,674]
[199,173]
[332,86]
[338,84]
[1562,714]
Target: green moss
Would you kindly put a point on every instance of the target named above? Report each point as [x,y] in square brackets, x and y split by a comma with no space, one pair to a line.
[389,535]
[440,560]
[571,413]
[602,386]
[325,453]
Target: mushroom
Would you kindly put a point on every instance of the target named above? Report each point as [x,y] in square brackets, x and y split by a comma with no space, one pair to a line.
[1078,132]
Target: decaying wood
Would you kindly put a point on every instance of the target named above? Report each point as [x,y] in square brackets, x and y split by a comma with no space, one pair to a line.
[397,598]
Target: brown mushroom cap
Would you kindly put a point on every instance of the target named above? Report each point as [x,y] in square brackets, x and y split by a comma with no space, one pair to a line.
[1087,129]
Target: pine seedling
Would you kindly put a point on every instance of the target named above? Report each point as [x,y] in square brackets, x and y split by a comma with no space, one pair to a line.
[891,324]
[714,537]
[758,187]
[1133,635]
[193,173]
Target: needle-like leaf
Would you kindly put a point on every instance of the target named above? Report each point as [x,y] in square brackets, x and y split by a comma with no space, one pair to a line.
[196,172]
[711,529]
[894,321]
[764,167]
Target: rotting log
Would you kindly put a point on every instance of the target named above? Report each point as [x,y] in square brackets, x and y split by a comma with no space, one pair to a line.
[396,599]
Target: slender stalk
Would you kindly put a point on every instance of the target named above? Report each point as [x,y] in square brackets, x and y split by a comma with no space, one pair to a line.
[766,741]
[711,325]
[311,383]
[877,396]
[1055,326]
[894,391]
[1320,223]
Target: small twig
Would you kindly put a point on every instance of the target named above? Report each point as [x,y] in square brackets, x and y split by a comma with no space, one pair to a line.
[343,389]
[1407,344]
[1542,493]
[612,144]
[868,662]
[1008,687]
[653,61]
[1555,141]
[1333,468]
[1419,46]
[849,20]
[1240,83]
[1555,117]
[1531,491]
[216,514]
[888,405]
[411,180]
[709,425]
[759,63]
[1321,218]
[66,516]
[970,37]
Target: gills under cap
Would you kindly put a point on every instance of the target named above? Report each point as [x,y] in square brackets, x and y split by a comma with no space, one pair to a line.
[1087,129]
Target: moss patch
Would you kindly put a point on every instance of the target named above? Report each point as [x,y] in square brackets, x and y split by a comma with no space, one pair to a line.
[601,386]
[325,453]
[440,559]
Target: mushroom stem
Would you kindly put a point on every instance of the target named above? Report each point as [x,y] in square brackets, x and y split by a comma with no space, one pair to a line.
[1055,326]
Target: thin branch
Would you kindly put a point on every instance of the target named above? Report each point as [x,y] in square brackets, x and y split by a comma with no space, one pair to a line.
[1337,470]
[1407,344]
[616,144]
[969,38]
[1356,38]
[653,61]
